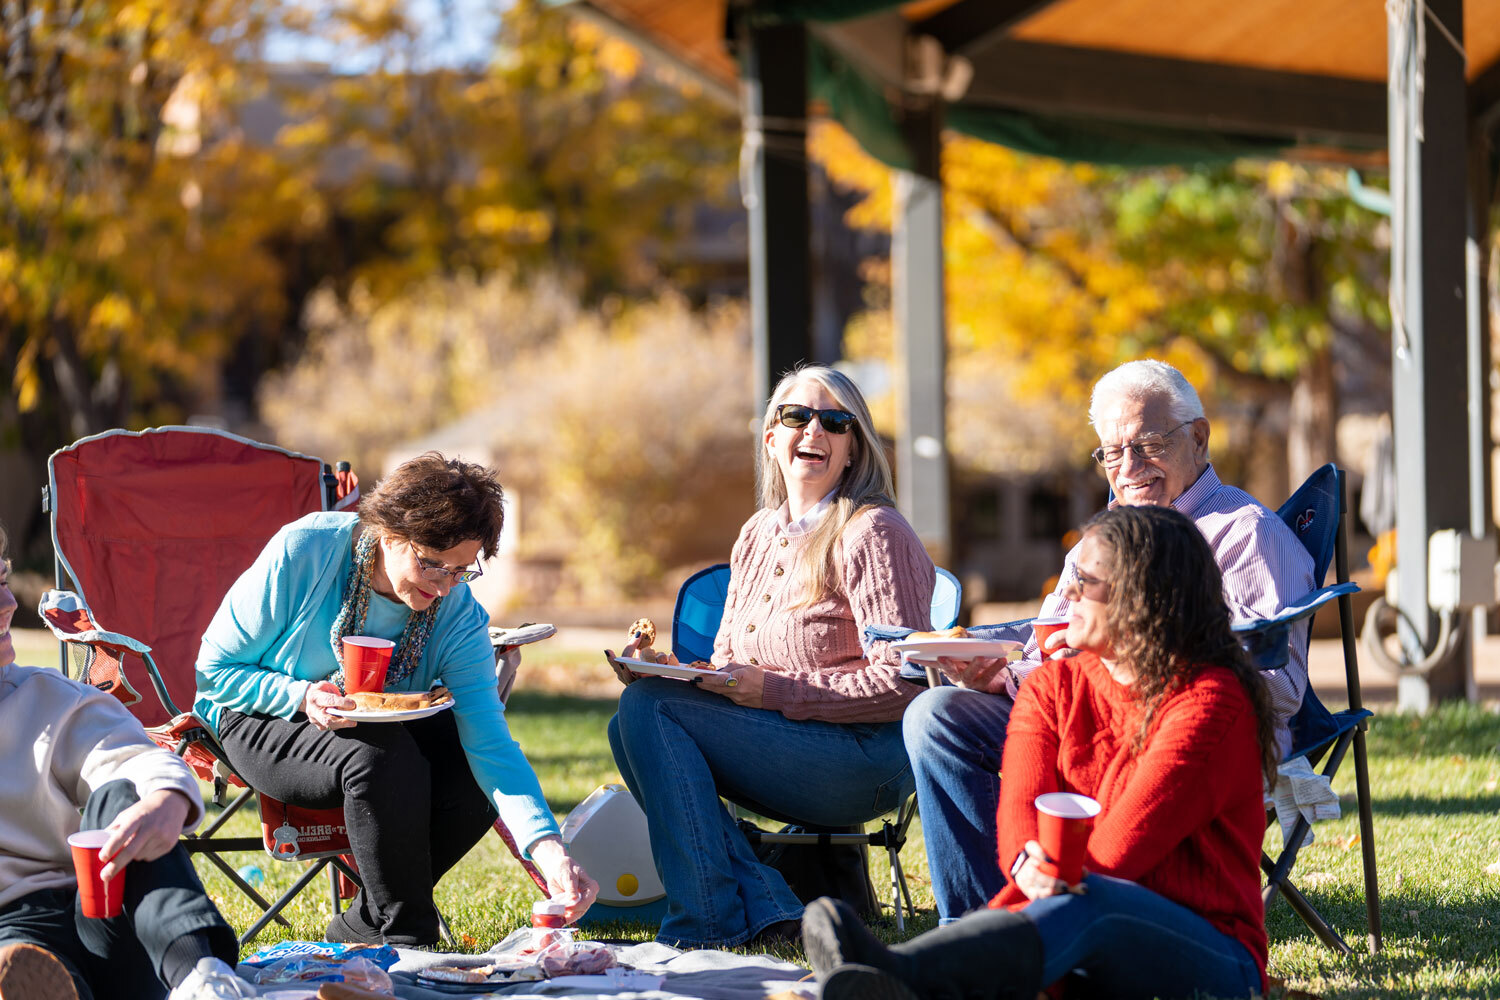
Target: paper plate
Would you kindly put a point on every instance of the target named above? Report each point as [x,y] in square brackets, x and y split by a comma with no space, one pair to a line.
[680,671]
[402,715]
[927,651]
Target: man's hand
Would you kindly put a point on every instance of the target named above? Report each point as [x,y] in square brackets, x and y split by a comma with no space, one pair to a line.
[982,673]
[567,882]
[319,699]
[1037,884]
[739,682]
[145,831]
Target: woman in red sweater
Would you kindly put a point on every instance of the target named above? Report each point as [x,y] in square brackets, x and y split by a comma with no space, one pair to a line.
[1160,717]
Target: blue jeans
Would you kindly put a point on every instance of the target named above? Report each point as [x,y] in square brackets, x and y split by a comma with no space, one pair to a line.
[1118,937]
[954,738]
[679,748]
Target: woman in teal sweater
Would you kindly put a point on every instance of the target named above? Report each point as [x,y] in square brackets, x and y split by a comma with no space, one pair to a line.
[416,795]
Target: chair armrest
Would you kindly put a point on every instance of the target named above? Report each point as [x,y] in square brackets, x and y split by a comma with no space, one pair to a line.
[1265,639]
[71,620]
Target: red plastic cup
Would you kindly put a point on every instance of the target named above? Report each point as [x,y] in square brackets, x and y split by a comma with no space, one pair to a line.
[1043,627]
[1064,821]
[365,661]
[97,897]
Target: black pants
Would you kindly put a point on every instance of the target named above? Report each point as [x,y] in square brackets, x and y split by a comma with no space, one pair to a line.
[120,958]
[410,803]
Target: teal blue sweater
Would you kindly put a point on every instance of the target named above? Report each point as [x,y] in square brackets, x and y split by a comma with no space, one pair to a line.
[268,643]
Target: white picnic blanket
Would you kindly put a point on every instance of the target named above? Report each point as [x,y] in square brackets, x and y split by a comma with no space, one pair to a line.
[663,973]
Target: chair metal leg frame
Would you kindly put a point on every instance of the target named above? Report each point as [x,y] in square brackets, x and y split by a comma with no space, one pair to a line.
[244,886]
[286,897]
[1304,909]
[1361,760]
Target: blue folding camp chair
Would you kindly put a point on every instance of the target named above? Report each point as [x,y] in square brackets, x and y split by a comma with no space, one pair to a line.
[695,622]
[1315,513]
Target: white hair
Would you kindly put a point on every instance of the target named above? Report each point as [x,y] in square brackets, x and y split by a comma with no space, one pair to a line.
[1147,379]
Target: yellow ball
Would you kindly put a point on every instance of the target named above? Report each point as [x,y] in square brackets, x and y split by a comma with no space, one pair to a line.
[627,884]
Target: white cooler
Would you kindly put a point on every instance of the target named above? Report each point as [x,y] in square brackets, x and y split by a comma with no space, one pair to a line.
[606,834]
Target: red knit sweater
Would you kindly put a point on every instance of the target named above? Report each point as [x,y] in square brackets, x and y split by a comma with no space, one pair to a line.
[1182,818]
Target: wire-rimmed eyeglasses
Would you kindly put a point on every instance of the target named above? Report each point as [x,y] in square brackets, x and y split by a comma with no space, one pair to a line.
[435,572]
[1152,445]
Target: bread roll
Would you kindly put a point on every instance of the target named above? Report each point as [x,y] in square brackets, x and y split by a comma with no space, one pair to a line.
[399,701]
[956,632]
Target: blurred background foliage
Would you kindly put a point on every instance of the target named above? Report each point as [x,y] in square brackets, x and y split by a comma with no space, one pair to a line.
[347,260]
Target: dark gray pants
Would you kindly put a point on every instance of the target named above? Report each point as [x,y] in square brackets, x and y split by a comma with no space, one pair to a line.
[121,958]
[411,804]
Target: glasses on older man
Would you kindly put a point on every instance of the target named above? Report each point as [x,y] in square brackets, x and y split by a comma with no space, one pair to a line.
[435,572]
[1152,445]
[796,415]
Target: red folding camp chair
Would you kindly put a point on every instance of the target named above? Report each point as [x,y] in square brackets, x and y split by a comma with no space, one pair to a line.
[152,528]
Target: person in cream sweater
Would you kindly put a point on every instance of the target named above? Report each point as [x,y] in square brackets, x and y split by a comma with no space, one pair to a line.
[69,749]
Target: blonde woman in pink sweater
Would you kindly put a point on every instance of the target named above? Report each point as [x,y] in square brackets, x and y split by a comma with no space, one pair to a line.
[803,724]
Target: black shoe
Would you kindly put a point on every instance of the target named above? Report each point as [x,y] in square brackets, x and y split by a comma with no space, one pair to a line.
[341,931]
[781,932]
[861,982]
[833,935]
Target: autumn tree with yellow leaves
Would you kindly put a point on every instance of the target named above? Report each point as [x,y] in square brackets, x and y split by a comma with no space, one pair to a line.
[1241,275]
[150,251]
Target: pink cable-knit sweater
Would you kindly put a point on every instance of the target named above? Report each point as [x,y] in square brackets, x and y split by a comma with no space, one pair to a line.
[815,666]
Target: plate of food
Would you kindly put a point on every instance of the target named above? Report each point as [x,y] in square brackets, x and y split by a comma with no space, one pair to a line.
[478,978]
[926,647]
[521,634]
[395,706]
[681,671]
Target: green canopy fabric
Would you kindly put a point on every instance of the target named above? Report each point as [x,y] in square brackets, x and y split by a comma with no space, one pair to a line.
[858,103]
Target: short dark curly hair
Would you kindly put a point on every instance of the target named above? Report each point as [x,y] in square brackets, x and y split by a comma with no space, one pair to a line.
[437,503]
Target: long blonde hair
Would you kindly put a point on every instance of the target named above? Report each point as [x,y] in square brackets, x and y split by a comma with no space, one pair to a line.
[866,483]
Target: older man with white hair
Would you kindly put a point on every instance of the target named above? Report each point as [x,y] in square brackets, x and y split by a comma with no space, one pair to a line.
[1153,446]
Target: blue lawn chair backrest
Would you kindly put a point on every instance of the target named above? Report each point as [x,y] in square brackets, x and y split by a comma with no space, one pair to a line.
[946,598]
[1313,515]
[700,607]
[1312,512]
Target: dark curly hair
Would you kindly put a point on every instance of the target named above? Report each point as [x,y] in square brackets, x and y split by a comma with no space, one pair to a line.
[438,503]
[1167,615]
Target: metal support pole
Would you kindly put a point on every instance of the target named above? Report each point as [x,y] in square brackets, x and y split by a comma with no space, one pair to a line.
[1481,445]
[773,183]
[921,331]
[1429,156]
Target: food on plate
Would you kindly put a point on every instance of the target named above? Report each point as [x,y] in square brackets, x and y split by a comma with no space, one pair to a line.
[646,629]
[458,973]
[399,701]
[956,632]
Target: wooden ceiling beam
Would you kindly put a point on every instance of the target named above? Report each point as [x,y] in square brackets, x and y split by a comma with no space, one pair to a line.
[1066,80]
[970,25]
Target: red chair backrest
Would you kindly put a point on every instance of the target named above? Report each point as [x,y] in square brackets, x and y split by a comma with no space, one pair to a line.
[154,526]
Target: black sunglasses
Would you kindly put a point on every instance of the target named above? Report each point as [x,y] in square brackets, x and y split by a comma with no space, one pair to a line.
[797,415]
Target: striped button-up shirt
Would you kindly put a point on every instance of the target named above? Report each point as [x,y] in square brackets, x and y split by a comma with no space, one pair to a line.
[1264,567]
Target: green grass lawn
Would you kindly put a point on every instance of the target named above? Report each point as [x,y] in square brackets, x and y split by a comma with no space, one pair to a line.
[1437,820]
